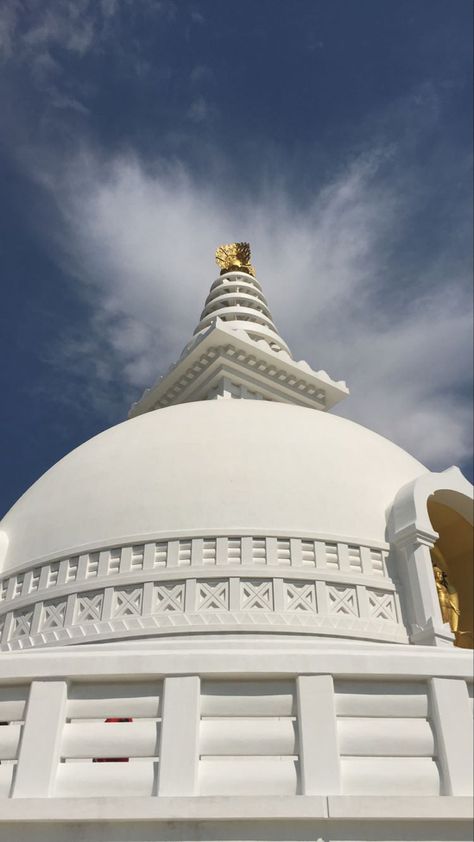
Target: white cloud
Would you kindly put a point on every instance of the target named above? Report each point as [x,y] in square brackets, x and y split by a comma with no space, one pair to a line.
[37,34]
[332,272]
[9,13]
[31,27]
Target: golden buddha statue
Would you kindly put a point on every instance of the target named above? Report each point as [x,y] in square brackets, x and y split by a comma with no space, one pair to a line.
[447,594]
[234,257]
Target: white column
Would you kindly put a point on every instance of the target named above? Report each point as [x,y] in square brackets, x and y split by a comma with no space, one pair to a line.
[36,619]
[322,598]
[234,593]
[343,556]
[147,605]
[295,552]
[179,750]
[271,552]
[108,604]
[454,734]
[246,550]
[40,746]
[363,602]
[419,589]
[196,552]
[190,596]
[278,595]
[103,568]
[126,560]
[222,550]
[317,728]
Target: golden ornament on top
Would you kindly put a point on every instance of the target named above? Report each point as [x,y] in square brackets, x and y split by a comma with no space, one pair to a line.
[235,257]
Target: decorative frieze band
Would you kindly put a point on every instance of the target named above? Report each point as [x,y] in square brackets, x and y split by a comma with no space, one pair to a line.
[161,556]
[192,604]
[177,584]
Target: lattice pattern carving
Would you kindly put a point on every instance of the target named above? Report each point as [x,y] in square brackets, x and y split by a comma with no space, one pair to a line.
[169,597]
[187,603]
[256,594]
[127,602]
[342,600]
[21,625]
[89,607]
[300,596]
[213,595]
[382,605]
[53,614]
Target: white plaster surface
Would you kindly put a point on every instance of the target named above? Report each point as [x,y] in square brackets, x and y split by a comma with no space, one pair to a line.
[274,739]
[394,830]
[248,467]
[252,527]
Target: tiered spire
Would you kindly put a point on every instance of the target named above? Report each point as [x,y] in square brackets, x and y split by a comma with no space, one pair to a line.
[237,299]
[237,351]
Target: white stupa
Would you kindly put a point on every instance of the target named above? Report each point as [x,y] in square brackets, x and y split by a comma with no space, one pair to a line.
[237,616]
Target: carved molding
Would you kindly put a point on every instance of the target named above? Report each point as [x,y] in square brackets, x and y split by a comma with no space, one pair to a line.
[313,558]
[201,604]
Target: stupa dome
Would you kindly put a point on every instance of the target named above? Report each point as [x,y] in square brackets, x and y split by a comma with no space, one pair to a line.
[230,501]
[229,467]
[237,606]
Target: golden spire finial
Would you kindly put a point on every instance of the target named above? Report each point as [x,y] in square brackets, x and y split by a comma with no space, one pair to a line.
[234,257]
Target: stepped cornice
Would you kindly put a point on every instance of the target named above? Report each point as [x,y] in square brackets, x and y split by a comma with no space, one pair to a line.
[237,352]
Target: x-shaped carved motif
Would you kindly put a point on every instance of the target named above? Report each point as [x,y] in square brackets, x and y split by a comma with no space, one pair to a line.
[22,624]
[213,596]
[128,602]
[90,607]
[170,599]
[343,602]
[53,615]
[256,596]
[381,605]
[300,597]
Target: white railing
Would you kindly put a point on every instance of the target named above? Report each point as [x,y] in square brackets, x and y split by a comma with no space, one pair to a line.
[104,731]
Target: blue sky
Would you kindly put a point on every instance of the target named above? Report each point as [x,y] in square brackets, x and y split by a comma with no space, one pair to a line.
[137,135]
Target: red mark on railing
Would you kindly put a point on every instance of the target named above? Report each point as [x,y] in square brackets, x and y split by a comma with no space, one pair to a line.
[113,759]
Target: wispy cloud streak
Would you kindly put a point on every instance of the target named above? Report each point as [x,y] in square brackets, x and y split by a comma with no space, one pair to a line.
[341,288]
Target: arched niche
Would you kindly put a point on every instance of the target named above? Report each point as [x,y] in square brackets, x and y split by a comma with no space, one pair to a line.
[454,554]
[433,511]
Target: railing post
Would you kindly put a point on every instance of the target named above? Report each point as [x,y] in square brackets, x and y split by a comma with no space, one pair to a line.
[179,750]
[319,752]
[454,734]
[40,746]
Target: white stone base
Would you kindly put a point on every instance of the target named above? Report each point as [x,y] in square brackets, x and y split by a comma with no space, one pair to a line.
[238,739]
